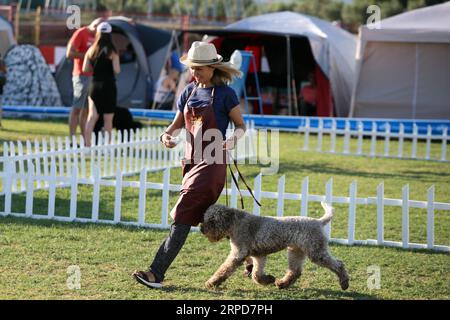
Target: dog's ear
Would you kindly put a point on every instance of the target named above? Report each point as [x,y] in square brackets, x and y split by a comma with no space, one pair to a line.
[209,219]
[219,217]
[226,217]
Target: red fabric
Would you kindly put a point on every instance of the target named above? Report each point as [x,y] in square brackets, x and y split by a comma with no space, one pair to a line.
[48,52]
[324,101]
[308,94]
[81,40]
[217,42]
[256,50]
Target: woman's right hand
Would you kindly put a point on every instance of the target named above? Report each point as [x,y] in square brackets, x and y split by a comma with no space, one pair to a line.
[168,141]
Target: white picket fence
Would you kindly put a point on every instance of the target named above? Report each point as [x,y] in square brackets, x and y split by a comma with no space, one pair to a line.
[130,152]
[374,135]
[378,202]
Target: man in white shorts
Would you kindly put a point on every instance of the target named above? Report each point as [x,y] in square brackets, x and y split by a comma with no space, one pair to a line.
[78,45]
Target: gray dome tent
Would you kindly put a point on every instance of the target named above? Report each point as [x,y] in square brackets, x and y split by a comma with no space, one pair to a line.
[150,49]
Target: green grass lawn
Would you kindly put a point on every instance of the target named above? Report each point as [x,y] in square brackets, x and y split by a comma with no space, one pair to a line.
[35,254]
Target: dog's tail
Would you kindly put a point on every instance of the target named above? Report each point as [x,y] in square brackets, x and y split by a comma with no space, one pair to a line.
[329,212]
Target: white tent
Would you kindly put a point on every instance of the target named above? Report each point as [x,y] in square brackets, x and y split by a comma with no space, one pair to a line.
[6,36]
[333,48]
[403,68]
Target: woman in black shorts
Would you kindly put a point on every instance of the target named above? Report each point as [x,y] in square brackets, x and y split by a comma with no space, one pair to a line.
[102,59]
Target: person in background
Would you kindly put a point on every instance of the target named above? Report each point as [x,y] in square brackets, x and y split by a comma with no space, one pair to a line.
[166,88]
[103,61]
[308,96]
[206,106]
[128,55]
[78,45]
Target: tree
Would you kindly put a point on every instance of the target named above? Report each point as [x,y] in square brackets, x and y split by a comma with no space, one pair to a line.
[252,10]
[332,12]
[355,13]
[324,9]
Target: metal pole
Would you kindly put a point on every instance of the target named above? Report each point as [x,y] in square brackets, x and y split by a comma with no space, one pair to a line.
[227,8]
[293,85]
[238,9]
[185,27]
[37,26]
[149,7]
[214,10]
[17,20]
[288,63]
[178,9]
[47,4]
[195,8]
[206,14]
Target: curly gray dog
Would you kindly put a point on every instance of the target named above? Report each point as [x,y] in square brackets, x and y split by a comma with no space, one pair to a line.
[254,237]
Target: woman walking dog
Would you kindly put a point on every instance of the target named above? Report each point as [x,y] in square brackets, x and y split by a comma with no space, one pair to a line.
[204,108]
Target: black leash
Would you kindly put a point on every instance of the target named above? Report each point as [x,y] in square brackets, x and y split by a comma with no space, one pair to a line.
[236,182]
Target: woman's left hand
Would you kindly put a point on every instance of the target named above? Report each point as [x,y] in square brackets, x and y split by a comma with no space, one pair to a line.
[229,144]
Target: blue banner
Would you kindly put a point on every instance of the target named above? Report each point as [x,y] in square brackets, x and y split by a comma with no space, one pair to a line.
[283,123]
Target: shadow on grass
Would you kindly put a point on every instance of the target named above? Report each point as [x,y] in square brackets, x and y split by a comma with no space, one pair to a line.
[84,207]
[337,294]
[295,292]
[393,249]
[190,290]
[326,168]
[48,223]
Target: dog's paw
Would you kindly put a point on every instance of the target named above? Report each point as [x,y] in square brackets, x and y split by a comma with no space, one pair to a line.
[211,285]
[282,284]
[344,283]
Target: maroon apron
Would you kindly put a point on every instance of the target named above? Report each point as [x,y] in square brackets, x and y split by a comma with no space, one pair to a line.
[203,181]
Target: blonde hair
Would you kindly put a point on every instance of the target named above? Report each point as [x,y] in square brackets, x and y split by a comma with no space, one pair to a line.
[224,73]
[93,25]
[102,43]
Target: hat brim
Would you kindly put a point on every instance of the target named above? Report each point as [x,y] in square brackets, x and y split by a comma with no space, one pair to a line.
[194,63]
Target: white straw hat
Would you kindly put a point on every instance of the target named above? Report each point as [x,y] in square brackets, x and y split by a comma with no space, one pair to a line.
[104,27]
[201,54]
